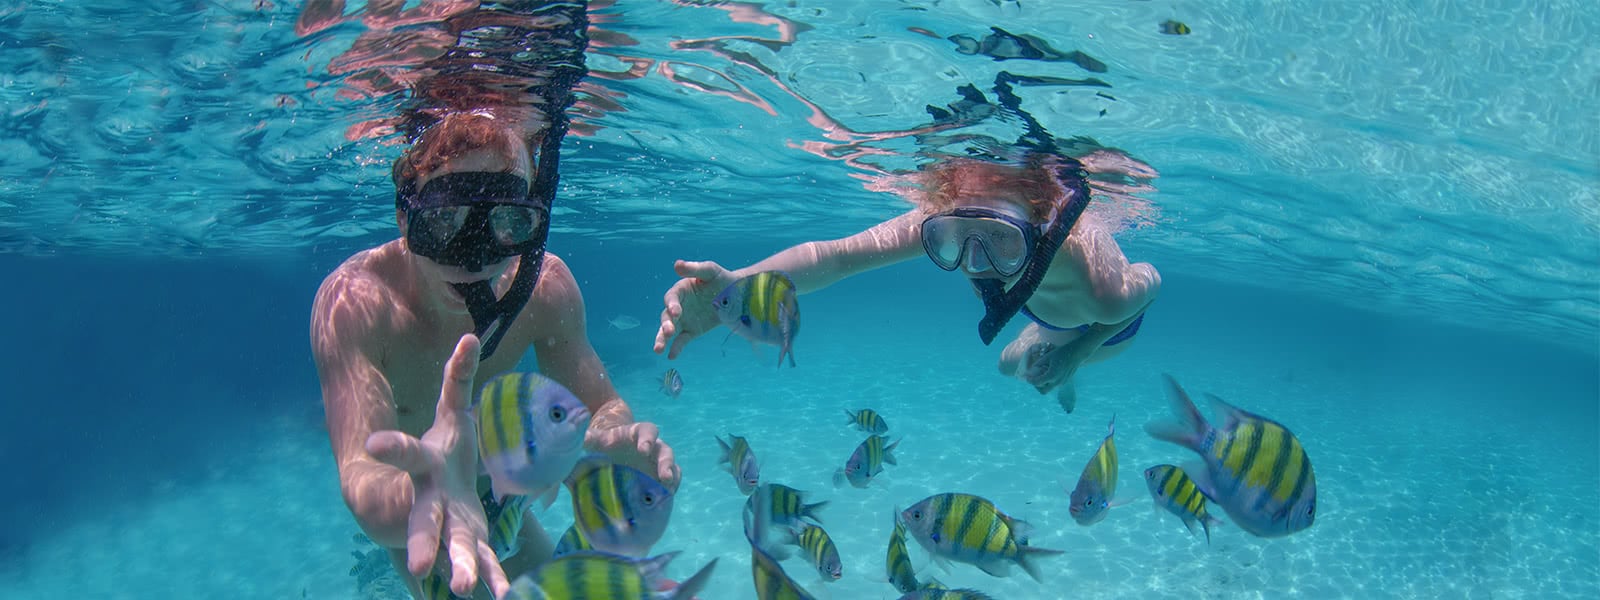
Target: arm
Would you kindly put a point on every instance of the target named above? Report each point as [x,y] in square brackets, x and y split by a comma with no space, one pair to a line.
[357,400]
[816,265]
[812,266]
[564,354]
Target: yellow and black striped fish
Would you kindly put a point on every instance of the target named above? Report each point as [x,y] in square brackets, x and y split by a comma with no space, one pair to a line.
[969,529]
[618,508]
[671,383]
[897,562]
[866,462]
[436,587]
[819,550]
[530,434]
[1171,27]
[867,420]
[1254,468]
[1176,492]
[771,582]
[598,576]
[773,509]
[1091,499]
[763,308]
[505,524]
[741,462]
[572,542]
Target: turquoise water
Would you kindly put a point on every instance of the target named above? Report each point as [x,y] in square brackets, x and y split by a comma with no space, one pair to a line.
[1376,223]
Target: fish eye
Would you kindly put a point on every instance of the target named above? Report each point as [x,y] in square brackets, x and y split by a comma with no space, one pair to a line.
[1088,502]
[916,515]
[557,413]
[649,499]
[1311,509]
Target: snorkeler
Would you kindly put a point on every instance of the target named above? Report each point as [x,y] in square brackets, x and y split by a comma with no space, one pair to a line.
[1018,231]
[403,333]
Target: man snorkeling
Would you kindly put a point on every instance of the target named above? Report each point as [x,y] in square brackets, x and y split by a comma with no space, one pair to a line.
[1018,230]
[404,333]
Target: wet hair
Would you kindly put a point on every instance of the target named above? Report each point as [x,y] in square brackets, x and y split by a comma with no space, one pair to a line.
[451,136]
[948,184]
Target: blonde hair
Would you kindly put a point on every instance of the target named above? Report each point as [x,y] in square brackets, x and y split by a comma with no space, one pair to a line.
[948,184]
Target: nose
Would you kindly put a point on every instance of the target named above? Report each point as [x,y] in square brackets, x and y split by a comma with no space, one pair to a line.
[970,261]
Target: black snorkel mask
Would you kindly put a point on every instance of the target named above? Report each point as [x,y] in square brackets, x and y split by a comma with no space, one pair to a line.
[472,220]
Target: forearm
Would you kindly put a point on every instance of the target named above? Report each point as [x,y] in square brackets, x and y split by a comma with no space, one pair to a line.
[379,497]
[816,265]
[611,413]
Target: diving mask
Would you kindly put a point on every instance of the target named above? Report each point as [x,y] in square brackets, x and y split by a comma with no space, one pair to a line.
[979,237]
[471,220]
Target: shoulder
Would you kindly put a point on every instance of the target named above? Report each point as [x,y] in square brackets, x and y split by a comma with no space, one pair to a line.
[353,299]
[557,299]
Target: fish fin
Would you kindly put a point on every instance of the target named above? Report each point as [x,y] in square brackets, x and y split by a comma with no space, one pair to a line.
[810,511]
[888,456]
[1123,502]
[838,478]
[789,349]
[694,584]
[1201,476]
[1067,396]
[1111,428]
[1189,427]
[1231,415]
[724,345]
[727,451]
[524,589]
[1019,528]
[1025,558]
[548,499]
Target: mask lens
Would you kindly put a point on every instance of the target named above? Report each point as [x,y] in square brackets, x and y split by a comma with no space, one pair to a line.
[432,228]
[942,240]
[1003,243]
[514,225]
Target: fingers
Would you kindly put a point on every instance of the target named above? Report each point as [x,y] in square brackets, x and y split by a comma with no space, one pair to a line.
[493,575]
[678,343]
[400,450]
[463,561]
[667,467]
[645,438]
[458,375]
[422,534]
[669,322]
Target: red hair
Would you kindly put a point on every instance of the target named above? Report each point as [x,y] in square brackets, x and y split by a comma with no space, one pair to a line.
[453,135]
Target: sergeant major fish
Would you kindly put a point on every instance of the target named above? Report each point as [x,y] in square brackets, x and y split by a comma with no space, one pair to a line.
[969,529]
[1091,499]
[741,462]
[1176,492]
[866,462]
[1254,468]
[617,508]
[867,420]
[763,308]
[597,575]
[671,383]
[530,434]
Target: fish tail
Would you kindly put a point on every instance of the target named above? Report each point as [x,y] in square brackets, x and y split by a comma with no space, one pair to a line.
[1025,555]
[694,584]
[850,417]
[888,453]
[810,511]
[1189,427]
[727,451]
[838,477]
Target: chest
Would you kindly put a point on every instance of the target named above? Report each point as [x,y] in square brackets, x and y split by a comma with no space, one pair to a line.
[414,367]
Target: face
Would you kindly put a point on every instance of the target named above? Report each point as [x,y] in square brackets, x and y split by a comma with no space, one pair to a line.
[483,160]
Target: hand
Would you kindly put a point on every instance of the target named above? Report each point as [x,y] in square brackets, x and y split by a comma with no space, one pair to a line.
[637,445]
[701,283]
[444,472]
[1048,365]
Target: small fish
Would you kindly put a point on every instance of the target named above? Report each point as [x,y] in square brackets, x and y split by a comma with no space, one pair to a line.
[623,322]
[594,575]
[819,550]
[671,383]
[505,524]
[618,508]
[866,462]
[763,308]
[946,594]
[1171,27]
[530,434]
[867,420]
[436,587]
[969,529]
[897,562]
[741,462]
[1254,468]
[1174,491]
[572,542]
[771,582]
[772,507]
[1091,499]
